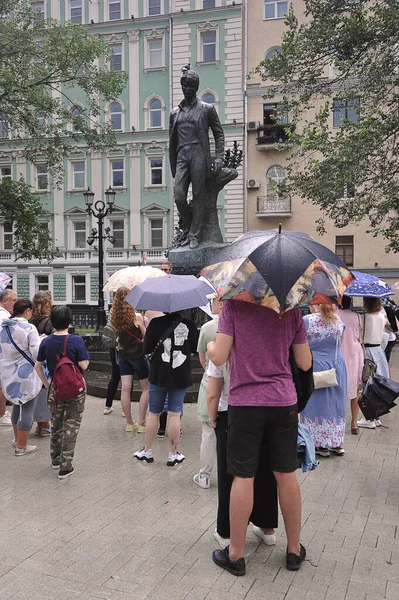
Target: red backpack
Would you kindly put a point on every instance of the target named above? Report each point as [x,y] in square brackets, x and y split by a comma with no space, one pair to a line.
[68,381]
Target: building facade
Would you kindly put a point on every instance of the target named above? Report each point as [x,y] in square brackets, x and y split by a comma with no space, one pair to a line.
[263,207]
[151,40]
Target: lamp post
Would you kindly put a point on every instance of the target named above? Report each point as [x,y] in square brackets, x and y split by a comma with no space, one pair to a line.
[100,211]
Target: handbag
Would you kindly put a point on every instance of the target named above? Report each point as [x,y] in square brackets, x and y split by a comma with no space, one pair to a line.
[33,392]
[328,378]
[369,366]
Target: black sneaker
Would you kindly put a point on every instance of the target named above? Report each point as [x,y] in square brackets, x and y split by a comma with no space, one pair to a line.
[293,561]
[222,559]
[66,474]
[161,434]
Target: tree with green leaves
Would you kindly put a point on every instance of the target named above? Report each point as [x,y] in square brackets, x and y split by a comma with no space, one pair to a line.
[341,66]
[42,62]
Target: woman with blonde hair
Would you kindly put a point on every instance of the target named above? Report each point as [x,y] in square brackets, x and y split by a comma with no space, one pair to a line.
[325,413]
[130,348]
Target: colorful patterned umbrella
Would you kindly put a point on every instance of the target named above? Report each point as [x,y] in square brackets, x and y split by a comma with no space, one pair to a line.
[4,281]
[131,276]
[368,286]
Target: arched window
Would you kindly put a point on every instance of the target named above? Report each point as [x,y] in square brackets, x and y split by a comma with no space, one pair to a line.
[115,111]
[275,178]
[155,108]
[271,53]
[209,98]
[77,114]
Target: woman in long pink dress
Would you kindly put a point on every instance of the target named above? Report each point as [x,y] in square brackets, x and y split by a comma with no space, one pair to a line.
[353,355]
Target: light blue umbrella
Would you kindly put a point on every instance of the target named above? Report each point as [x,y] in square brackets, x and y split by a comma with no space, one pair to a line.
[4,281]
[169,294]
[368,286]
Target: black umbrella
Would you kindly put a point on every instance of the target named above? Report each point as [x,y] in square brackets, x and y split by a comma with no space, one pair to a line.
[378,397]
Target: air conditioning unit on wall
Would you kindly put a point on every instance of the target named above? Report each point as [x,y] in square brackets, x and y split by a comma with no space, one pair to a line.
[253,125]
[253,184]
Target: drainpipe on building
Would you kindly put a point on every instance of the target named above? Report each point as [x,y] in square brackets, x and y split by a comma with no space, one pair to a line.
[171,197]
[245,174]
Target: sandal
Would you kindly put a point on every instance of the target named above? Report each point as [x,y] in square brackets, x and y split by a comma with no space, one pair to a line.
[38,431]
[354,430]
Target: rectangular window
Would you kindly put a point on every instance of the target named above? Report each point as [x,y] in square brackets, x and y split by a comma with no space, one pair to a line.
[4,126]
[41,284]
[344,248]
[114,10]
[118,231]
[154,7]
[208,4]
[5,173]
[76,11]
[275,9]
[208,43]
[117,173]
[156,171]
[8,234]
[156,233]
[42,177]
[116,59]
[38,12]
[79,231]
[345,109]
[78,288]
[155,53]
[78,170]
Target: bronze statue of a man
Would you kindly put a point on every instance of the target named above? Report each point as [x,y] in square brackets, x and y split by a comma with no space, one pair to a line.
[190,154]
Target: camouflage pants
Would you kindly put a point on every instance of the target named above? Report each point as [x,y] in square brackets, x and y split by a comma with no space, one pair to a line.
[65,425]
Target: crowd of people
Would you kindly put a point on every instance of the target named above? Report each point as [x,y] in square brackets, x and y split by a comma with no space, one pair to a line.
[247,402]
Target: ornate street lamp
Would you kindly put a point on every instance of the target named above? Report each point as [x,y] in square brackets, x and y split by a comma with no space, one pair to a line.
[100,211]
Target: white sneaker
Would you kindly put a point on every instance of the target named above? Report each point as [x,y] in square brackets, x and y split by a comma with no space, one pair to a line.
[366,424]
[378,423]
[202,480]
[270,539]
[223,542]
[14,443]
[175,459]
[144,456]
[5,419]
[108,410]
[27,450]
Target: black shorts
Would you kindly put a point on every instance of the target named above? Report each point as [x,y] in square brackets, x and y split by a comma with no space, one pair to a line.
[249,426]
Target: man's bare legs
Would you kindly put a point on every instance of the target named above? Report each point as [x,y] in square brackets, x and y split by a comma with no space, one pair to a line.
[290,504]
[173,431]
[241,503]
[143,402]
[151,430]
[127,383]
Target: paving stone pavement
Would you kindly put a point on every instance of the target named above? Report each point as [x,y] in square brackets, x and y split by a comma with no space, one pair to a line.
[120,530]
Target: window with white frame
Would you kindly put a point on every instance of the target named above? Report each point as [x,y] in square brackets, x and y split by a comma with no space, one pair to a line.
[117,173]
[77,113]
[155,112]
[42,178]
[345,249]
[270,54]
[275,9]
[275,179]
[156,171]
[8,236]
[208,46]
[78,288]
[155,58]
[208,4]
[208,97]
[5,173]
[345,109]
[154,7]
[118,232]
[76,11]
[41,283]
[79,234]
[156,233]
[4,126]
[116,58]
[114,10]
[79,175]
[38,12]
[115,111]
[40,122]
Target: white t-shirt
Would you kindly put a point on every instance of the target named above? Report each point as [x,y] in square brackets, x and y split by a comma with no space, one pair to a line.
[4,314]
[388,331]
[222,372]
[374,330]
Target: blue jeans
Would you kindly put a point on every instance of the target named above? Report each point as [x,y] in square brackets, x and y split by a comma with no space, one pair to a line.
[157,396]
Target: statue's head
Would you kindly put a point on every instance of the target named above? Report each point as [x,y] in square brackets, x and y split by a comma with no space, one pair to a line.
[189,84]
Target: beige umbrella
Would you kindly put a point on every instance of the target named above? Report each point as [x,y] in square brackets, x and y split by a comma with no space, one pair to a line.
[131,276]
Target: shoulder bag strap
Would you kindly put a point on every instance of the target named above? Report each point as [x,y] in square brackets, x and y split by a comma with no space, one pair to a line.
[26,357]
[362,330]
[132,335]
[64,351]
[336,347]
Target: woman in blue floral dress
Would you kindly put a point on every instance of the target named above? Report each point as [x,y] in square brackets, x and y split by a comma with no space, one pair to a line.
[325,412]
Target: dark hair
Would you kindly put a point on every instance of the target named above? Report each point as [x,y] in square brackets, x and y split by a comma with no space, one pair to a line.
[189,74]
[372,305]
[346,302]
[61,317]
[21,306]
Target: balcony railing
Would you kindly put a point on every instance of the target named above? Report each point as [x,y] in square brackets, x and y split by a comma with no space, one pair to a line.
[273,205]
[271,134]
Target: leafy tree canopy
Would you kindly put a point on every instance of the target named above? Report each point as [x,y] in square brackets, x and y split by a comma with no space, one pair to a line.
[343,60]
[41,61]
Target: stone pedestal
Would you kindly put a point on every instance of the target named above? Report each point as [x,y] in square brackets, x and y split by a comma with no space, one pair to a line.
[190,262]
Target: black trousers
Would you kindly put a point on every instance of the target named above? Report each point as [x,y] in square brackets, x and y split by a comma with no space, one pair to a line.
[388,349]
[115,378]
[265,509]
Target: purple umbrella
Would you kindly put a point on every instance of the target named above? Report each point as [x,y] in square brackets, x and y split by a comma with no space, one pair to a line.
[4,281]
